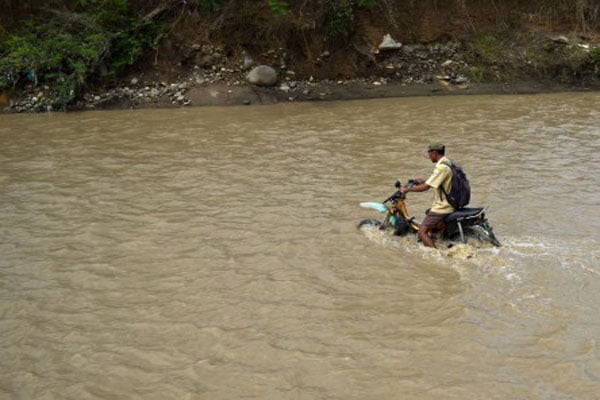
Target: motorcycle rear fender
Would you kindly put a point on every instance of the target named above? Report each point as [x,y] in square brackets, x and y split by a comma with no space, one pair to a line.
[466,221]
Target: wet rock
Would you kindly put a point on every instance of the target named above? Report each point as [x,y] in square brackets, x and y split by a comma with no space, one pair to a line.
[263,75]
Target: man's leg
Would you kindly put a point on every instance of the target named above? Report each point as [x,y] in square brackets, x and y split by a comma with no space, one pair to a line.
[423,234]
[431,222]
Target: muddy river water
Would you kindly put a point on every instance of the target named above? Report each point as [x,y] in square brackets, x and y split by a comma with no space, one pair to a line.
[212,253]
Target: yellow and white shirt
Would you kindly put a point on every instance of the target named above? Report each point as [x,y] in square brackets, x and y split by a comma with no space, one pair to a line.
[441,178]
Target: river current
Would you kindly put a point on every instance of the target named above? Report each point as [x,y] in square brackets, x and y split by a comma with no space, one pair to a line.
[213,253]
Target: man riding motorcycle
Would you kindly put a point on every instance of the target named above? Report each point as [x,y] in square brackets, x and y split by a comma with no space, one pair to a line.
[441,181]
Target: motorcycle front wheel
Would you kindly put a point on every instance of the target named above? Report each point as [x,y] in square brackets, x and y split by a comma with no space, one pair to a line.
[369,223]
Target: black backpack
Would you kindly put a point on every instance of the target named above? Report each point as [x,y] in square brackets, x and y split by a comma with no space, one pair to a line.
[460,191]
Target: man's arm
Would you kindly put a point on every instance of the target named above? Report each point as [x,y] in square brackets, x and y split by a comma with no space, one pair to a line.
[421,187]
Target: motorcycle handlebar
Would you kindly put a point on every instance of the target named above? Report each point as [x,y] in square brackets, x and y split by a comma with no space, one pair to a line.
[398,194]
[411,182]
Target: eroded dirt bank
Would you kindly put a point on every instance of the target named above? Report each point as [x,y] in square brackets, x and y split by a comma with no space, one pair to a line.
[390,51]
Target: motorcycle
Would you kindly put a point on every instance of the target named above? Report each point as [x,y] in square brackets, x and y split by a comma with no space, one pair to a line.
[468,222]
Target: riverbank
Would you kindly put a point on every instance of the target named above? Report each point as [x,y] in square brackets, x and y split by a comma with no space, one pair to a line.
[186,94]
[171,53]
[182,94]
[215,78]
[225,95]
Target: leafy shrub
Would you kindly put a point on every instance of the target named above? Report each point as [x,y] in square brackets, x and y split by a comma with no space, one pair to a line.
[52,56]
[339,15]
[488,47]
[278,7]
[71,47]
[478,74]
[208,5]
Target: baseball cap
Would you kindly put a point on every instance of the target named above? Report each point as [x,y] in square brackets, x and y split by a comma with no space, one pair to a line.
[436,147]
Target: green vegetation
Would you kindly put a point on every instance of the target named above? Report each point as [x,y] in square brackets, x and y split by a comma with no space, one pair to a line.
[50,56]
[72,45]
[75,46]
[210,5]
[478,74]
[84,41]
[339,15]
[278,7]
[488,47]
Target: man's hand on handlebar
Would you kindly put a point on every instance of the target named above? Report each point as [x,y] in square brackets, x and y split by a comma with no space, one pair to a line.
[411,183]
[415,181]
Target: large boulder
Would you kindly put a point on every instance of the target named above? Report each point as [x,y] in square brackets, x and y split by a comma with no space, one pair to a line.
[263,75]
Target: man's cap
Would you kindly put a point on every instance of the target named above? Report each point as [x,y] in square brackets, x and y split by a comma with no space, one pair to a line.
[436,147]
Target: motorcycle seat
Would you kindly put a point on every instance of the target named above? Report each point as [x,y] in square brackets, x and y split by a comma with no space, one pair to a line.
[464,213]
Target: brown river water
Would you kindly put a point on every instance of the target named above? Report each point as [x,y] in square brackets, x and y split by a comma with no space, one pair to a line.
[213,253]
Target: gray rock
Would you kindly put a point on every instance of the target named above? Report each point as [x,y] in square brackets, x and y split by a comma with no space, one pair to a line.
[263,75]
[388,43]
[248,62]
[560,39]
[205,60]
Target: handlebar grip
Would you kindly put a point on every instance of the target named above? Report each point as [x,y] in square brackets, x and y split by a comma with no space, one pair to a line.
[415,181]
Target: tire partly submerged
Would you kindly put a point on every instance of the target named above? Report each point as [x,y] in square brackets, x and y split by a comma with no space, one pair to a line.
[485,233]
[369,223]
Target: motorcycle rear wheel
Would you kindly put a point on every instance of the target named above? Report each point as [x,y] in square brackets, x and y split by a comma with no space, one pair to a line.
[485,233]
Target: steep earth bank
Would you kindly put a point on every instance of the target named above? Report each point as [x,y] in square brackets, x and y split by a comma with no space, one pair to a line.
[201,62]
